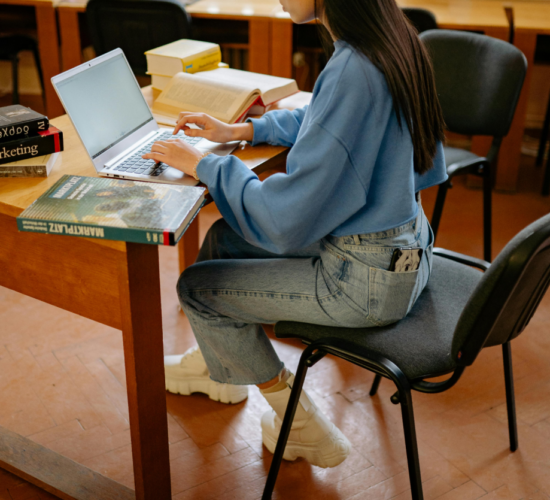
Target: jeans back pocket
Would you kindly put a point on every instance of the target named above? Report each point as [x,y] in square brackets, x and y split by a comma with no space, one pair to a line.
[391,295]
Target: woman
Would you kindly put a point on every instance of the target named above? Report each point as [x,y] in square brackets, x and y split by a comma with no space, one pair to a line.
[313,245]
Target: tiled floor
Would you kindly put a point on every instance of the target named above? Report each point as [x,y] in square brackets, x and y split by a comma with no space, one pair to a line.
[62,384]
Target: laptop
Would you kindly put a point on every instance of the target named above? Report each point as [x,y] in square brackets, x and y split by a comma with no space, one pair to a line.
[104,102]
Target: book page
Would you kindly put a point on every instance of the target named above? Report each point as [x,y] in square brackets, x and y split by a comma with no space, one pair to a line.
[272,88]
[222,100]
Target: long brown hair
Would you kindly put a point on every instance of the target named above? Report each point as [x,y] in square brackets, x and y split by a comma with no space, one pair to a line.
[380,30]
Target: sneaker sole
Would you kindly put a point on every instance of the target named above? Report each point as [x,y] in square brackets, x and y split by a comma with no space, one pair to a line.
[224,393]
[337,442]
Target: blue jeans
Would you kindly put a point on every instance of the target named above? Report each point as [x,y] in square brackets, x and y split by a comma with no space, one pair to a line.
[234,287]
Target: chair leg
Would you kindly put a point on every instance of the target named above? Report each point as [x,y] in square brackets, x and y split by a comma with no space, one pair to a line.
[544,136]
[546,181]
[15,79]
[487,212]
[438,208]
[411,443]
[375,384]
[510,396]
[287,423]
[39,70]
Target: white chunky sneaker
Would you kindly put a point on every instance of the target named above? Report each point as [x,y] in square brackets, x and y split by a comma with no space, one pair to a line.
[187,373]
[312,436]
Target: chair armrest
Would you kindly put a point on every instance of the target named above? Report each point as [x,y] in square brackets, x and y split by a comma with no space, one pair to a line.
[467,166]
[462,259]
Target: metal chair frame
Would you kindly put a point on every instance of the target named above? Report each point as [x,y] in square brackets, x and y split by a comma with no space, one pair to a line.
[383,367]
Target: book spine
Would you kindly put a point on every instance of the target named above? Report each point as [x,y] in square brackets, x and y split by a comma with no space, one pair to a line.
[13,132]
[204,62]
[31,147]
[24,171]
[91,231]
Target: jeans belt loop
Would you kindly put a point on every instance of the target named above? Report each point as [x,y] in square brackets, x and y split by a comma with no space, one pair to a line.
[356,239]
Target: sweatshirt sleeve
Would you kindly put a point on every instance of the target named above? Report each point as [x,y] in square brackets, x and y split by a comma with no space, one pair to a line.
[279,128]
[292,210]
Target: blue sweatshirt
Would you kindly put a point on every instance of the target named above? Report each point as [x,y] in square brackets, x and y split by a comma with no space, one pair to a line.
[349,171]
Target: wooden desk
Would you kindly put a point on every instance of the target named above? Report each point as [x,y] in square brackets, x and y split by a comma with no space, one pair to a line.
[48,48]
[114,283]
[530,19]
[263,42]
[486,16]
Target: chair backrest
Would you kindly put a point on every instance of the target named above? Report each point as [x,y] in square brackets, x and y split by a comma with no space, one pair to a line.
[136,26]
[507,296]
[478,80]
[421,19]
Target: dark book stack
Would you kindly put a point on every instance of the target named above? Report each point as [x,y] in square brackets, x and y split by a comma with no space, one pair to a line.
[28,143]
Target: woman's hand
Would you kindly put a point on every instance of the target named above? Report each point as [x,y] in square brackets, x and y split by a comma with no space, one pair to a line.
[175,153]
[212,129]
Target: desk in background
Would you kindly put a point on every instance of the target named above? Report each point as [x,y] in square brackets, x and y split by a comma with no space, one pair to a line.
[116,284]
[48,47]
[263,41]
[530,20]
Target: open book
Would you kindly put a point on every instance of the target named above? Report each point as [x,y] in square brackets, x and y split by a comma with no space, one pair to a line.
[226,94]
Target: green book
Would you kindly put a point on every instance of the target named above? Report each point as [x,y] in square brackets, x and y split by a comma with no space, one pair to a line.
[114,209]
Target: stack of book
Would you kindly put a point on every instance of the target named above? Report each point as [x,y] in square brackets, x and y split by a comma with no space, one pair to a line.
[29,145]
[187,56]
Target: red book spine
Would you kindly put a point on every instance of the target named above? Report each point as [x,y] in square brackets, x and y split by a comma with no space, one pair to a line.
[44,143]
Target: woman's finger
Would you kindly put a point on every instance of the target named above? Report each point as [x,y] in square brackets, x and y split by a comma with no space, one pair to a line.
[159,148]
[198,119]
[158,157]
[185,113]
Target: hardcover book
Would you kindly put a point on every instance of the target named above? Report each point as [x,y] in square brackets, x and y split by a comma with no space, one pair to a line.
[224,93]
[113,209]
[18,121]
[160,82]
[189,56]
[32,167]
[30,146]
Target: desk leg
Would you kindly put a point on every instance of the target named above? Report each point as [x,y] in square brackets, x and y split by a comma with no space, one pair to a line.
[259,42]
[510,151]
[188,247]
[139,285]
[281,48]
[71,48]
[49,56]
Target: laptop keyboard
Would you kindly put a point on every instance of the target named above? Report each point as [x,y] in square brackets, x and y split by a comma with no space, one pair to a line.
[135,164]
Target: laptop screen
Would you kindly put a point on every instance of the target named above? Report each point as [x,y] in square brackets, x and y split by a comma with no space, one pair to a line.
[105,104]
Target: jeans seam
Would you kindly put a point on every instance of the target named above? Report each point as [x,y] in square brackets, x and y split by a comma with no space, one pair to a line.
[263,293]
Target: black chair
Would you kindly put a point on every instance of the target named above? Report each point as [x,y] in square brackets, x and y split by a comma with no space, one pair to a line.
[10,47]
[460,312]
[544,138]
[421,19]
[136,26]
[478,80]
[542,55]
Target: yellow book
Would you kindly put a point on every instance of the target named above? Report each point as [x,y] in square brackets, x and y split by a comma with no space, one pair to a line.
[160,82]
[188,56]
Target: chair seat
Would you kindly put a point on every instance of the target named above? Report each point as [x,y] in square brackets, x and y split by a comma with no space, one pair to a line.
[420,344]
[458,155]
